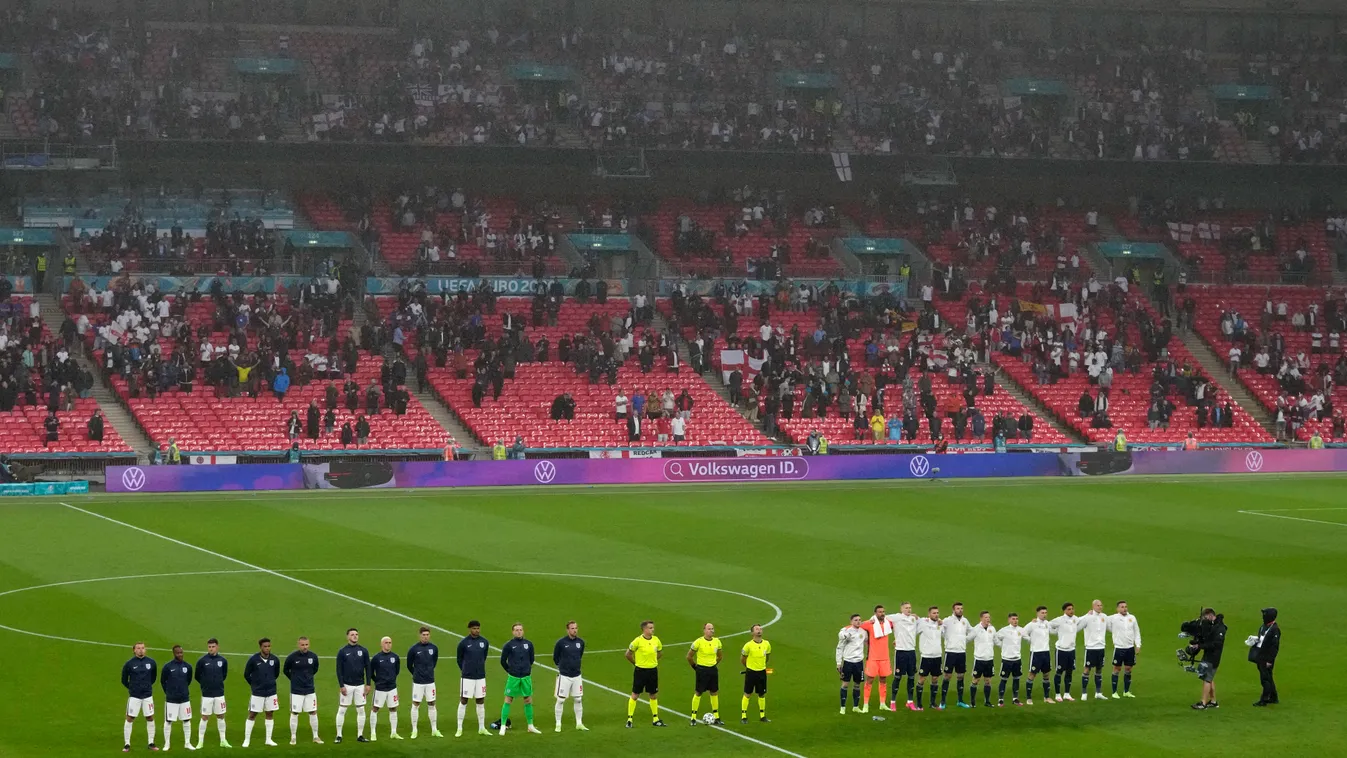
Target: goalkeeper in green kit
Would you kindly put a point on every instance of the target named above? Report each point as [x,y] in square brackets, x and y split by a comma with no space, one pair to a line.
[516,657]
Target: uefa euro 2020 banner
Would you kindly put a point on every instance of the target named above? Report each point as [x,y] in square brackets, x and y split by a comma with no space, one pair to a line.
[678,471]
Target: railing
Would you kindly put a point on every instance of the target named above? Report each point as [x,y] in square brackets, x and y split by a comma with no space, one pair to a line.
[44,155]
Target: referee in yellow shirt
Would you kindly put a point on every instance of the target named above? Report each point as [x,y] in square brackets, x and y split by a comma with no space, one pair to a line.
[704,658]
[754,658]
[644,653]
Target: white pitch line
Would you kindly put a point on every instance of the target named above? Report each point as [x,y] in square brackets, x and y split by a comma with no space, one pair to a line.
[390,612]
[1294,518]
[1298,510]
[775,608]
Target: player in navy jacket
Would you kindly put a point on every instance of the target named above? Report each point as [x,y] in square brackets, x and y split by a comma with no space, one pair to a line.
[176,679]
[138,675]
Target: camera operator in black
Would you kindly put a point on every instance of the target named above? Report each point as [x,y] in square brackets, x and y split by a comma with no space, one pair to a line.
[1210,642]
[1263,649]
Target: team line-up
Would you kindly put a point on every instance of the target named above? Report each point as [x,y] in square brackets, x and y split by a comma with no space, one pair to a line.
[360,674]
[863,654]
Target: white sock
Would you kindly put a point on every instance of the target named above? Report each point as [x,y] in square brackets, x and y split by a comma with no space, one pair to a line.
[294,726]
[579,711]
[313,724]
[201,734]
[220,725]
[430,711]
[168,734]
[341,719]
[393,722]
[248,731]
[271,723]
[481,715]
[126,732]
[186,733]
[416,715]
[149,727]
[560,709]
[462,711]
[373,723]
[360,722]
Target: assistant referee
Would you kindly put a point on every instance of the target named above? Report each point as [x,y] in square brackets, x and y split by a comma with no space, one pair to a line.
[704,657]
[754,658]
[644,653]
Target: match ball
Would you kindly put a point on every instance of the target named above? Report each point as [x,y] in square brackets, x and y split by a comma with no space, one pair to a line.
[709,718]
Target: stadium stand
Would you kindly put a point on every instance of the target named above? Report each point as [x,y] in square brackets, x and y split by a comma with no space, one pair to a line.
[153,348]
[40,381]
[757,238]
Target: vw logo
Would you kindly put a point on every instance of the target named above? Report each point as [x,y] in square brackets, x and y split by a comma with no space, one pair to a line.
[545,472]
[919,466]
[1253,461]
[133,479]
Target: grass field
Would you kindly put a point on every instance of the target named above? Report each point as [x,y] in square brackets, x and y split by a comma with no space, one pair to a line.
[111,570]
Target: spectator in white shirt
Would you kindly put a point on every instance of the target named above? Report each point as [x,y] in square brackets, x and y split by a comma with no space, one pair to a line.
[1235,354]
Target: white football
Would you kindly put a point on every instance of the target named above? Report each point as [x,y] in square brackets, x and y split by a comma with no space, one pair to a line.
[708,718]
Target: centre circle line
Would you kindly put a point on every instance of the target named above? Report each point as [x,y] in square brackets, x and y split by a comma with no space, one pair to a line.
[73,582]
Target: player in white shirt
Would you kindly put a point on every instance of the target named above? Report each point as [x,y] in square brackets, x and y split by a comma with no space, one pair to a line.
[1065,626]
[1094,627]
[932,651]
[1039,634]
[955,630]
[1122,626]
[983,635]
[904,653]
[850,660]
[1009,638]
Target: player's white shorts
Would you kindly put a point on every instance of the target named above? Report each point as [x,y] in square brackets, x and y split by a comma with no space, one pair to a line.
[387,699]
[136,706]
[473,689]
[424,692]
[570,686]
[177,712]
[212,706]
[266,704]
[355,695]
[304,703]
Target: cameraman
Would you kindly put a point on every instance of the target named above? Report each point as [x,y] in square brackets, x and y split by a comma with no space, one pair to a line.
[1210,643]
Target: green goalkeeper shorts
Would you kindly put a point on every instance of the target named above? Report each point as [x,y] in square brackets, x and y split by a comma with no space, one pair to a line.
[518,686]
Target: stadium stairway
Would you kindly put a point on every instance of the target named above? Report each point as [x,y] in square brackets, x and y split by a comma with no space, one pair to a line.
[1041,412]
[1217,369]
[712,377]
[439,410]
[114,413]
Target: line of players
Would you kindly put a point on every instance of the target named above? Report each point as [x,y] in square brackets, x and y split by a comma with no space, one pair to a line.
[358,675]
[863,655]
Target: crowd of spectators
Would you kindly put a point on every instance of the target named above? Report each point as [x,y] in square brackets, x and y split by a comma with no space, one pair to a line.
[36,367]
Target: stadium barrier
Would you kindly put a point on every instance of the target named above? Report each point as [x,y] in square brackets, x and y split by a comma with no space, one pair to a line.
[584,471]
[45,488]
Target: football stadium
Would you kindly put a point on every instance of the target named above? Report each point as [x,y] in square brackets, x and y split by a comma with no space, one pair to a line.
[713,377]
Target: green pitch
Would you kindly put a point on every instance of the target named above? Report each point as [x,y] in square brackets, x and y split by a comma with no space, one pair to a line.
[800,557]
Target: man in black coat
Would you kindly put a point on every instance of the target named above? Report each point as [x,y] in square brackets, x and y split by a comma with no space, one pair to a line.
[1263,649]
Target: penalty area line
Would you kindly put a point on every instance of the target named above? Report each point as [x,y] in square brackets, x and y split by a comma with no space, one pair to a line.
[391,612]
[1295,518]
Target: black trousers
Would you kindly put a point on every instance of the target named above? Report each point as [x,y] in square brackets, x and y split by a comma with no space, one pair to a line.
[1269,686]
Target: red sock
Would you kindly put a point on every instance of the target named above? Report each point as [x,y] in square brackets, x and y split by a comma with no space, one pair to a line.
[867,693]
[883,693]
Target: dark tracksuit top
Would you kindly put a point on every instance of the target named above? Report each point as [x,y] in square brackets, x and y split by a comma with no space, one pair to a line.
[353,666]
[472,653]
[300,669]
[516,657]
[566,656]
[384,669]
[261,674]
[176,679]
[138,675]
[211,671]
[421,661]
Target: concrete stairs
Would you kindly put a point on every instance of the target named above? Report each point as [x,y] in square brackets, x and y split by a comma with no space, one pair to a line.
[445,417]
[1044,414]
[114,413]
[712,378]
[1216,368]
